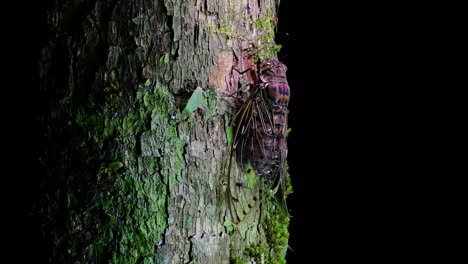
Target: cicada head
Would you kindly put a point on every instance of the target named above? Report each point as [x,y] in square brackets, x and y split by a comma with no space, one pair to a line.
[272,69]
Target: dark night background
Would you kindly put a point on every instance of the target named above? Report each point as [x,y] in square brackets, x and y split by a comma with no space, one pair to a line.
[377,151]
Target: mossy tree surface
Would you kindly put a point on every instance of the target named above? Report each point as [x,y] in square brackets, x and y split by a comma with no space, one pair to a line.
[136,132]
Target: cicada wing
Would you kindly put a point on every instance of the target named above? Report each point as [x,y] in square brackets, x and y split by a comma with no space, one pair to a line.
[245,194]
[242,189]
[282,168]
[265,157]
[273,130]
[260,147]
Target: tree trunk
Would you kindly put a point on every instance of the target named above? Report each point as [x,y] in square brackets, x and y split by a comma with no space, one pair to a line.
[136,144]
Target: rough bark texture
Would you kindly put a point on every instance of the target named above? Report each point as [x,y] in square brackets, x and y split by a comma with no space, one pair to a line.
[135,154]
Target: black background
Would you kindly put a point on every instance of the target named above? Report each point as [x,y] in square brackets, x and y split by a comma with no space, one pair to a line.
[377,151]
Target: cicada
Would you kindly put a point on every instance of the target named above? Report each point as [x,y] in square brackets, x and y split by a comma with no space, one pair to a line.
[259,140]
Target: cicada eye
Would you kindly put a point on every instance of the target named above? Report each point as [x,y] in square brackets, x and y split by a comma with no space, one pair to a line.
[267,65]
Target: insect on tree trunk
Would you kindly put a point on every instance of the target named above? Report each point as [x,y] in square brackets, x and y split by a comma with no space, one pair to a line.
[138,130]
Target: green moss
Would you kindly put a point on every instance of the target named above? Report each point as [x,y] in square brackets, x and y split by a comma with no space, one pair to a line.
[135,216]
[214,105]
[277,235]
[131,198]
[112,92]
[276,229]
[266,45]
[164,59]
[229,131]
[257,252]
[237,260]
[224,29]
[230,227]
[289,187]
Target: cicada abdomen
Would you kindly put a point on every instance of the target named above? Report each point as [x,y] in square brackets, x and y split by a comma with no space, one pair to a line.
[260,138]
[271,161]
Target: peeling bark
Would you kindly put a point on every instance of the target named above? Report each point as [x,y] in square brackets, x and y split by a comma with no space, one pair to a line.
[133,174]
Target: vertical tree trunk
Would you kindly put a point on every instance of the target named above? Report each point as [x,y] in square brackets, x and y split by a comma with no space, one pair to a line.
[136,155]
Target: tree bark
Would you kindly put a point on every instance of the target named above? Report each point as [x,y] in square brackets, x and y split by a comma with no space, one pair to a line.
[136,142]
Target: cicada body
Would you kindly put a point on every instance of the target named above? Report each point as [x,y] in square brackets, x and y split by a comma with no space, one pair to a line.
[260,134]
